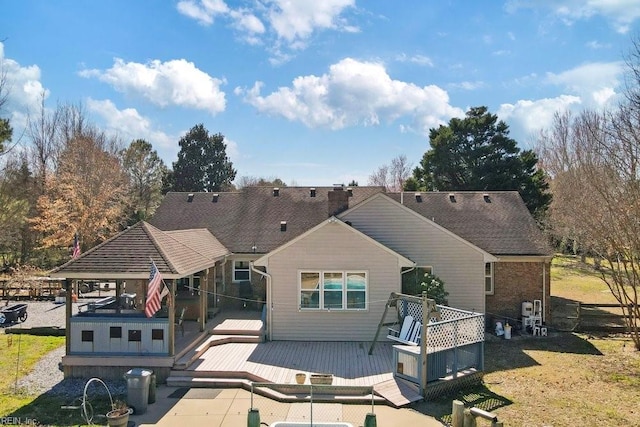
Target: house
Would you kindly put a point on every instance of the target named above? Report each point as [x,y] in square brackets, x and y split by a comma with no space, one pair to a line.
[322,261]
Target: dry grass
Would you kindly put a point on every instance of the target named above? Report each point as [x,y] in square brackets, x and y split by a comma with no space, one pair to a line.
[566,379]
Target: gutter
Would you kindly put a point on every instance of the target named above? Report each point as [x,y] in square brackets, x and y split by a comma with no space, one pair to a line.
[267,276]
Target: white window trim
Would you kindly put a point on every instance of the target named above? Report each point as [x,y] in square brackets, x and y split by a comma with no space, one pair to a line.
[484,282]
[233,270]
[344,290]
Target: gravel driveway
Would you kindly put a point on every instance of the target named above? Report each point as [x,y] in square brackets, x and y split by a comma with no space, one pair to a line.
[46,375]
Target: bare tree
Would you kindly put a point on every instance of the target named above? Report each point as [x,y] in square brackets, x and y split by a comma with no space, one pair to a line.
[594,160]
[393,176]
[43,134]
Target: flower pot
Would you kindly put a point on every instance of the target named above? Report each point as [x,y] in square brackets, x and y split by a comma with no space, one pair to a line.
[322,379]
[301,378]
[117,418]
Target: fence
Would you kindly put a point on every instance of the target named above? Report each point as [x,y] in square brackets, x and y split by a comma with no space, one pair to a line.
[310,405]
[598,317]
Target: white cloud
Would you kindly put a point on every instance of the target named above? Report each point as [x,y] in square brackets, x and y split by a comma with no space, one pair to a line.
[621,13]
[354,93]
[468,85]
[296,20]
[594,44]
[203,11]
[284,23]
[415,59]
[23,86]
[595,82]
[532,116]
[24,92]
[177,82]
[128,123]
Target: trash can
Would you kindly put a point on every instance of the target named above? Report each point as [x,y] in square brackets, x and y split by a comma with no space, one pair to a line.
[138,389]
[152,388]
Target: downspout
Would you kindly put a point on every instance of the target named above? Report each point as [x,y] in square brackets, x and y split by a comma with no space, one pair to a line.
[544,290]
[267,276]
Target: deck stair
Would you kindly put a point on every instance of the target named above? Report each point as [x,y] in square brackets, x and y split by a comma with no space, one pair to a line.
[229,331]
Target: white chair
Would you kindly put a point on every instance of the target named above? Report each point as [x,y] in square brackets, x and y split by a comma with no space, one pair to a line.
[410,332]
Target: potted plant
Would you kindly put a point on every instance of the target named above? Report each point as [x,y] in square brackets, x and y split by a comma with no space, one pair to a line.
[301,377]
[118,416]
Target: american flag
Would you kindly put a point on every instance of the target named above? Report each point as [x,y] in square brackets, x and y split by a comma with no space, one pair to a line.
[76,247]
[153,291]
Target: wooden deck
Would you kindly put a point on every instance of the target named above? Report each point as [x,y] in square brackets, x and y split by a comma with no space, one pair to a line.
[228,350]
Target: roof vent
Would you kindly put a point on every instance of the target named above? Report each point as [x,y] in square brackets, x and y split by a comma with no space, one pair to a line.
[486,198]
[312,192]
[452,197]
[350,191]
[215,197]
[418,197]
[283,225]
[190,198]
[276,192]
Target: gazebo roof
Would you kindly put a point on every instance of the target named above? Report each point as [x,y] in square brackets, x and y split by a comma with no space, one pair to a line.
[128,255]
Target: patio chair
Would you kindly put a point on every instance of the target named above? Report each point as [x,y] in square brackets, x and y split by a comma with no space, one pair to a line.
[180,320]
[410,332]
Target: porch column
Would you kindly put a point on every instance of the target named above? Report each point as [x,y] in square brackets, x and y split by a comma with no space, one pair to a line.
[204,288]
[118,294]
[172,317]
[68,287]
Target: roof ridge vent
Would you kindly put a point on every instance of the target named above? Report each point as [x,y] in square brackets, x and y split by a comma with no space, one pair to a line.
[312,192]
[452,198]
[418,197]
[190,198]
[215,197]
[276,191]
[486,198]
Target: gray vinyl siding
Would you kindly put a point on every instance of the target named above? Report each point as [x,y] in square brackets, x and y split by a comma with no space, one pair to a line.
[458,263]
[331,247]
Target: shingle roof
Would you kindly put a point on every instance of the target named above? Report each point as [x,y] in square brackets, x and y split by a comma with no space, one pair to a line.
[249,220]
[129,254]
[500,223]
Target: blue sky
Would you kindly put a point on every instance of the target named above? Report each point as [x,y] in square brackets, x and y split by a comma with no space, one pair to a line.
[313,92]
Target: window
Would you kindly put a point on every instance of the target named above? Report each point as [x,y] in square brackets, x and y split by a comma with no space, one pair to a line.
[115,332]
[87,336]
[488,278]
[157,334]
[241,271]
[333,290]
[135,335]
[188,285]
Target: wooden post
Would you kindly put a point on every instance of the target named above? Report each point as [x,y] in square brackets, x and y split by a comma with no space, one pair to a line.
[457,413]
[118,294]
[68,313]
[469,420]
[392,298]
[426,310]
[172,317]
[203,299]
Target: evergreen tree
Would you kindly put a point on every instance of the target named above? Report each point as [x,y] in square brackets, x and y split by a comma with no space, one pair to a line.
[202,163]
[475,153]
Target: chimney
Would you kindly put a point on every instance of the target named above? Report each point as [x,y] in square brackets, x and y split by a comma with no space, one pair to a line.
[338,201]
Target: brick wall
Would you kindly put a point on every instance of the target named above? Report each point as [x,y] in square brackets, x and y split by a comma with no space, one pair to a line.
[514,283]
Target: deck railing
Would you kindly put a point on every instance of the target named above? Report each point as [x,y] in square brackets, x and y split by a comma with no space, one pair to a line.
[454,344]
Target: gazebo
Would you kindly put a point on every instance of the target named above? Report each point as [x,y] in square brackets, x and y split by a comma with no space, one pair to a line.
[109,336]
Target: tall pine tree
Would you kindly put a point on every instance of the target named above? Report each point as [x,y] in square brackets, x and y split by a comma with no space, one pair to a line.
[475,153]
[202,163]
